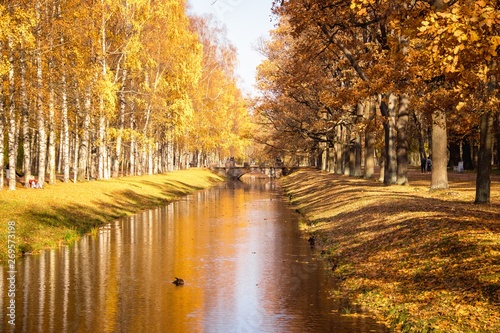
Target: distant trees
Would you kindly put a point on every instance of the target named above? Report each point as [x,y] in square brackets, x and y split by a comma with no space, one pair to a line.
[97,89]
[221,125]
[338,71]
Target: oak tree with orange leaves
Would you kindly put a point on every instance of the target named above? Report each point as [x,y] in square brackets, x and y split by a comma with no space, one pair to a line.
[434,60]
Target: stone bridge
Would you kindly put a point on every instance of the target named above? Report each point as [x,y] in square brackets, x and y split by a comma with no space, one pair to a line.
[235,172]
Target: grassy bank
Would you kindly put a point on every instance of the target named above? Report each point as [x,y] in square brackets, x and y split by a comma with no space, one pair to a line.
[62,213]
[423,261]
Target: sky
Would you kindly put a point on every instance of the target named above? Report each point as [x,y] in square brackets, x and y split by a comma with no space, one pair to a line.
[246,21]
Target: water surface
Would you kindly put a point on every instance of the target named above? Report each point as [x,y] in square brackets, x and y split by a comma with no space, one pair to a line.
[245,264]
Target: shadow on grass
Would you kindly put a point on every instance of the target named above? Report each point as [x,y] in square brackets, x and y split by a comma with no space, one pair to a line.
[441,254]
[83,218]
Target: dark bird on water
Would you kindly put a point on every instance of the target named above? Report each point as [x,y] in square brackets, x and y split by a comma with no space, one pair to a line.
[311,241]
[178,282]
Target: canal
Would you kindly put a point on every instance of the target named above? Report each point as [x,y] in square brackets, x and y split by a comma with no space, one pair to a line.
[237,246]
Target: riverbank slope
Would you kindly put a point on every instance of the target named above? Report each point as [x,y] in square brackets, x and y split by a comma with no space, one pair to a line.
[62,213]
[423,261]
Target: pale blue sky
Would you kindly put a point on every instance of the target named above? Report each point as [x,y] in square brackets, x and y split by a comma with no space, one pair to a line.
[246,21]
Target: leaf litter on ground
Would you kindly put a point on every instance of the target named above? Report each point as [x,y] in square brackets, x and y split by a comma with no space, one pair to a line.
[424,261]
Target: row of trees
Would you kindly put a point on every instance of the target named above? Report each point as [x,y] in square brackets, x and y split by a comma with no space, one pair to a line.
[99,88]
[350,77]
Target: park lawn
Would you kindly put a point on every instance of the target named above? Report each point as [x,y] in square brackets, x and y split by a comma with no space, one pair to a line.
[61,213]
[421,260]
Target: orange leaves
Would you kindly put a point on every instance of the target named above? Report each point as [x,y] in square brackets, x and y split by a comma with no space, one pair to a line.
[348,50]
[458,48]
[481,3]
[494,43]
[458,33]
[462,37]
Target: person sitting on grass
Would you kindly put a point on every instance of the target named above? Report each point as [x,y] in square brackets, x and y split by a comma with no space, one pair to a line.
[34,183]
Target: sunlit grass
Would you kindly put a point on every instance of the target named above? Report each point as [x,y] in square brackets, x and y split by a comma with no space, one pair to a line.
[62,213]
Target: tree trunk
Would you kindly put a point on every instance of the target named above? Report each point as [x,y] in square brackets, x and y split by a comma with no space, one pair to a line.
[356,171]
[331,159]
[170,154]
[382,167]
[64,115]
[84,142]
[25,121]
[133,144]
[143,159]
[439,178]
[346,151]
[150,158]
[102,146]
[370,140]
[391,165]
[454,154]
[75,150]
[467,155]
[52,133]
[339,168]
[42,134]
[420,136]
[157,166]
[12,122]
[59,153]
[119,137]
[402,146]
[352,158]
[483,180]
[475,154]
[162,157]
[102,151]
[324,155]
[497,137]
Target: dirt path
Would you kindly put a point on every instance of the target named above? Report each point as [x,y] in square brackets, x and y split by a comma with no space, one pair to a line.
[424,261]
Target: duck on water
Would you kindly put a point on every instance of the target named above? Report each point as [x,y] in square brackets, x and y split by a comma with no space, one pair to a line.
[178,282]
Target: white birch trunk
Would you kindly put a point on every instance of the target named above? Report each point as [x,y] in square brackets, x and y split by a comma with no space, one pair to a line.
[12,122]
[25,121]
[102,156]
[150,159]
[51,167]
[84,144]
[59,153]
[119,137]
[64,116]
[133,142]
[41,126]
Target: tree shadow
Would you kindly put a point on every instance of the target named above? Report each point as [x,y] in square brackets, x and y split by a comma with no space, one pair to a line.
[413,242]
[120,203]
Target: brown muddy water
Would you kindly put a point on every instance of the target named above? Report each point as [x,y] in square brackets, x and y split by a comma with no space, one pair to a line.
[237,246]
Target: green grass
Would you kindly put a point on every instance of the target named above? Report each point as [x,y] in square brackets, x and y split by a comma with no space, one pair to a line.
[62,213]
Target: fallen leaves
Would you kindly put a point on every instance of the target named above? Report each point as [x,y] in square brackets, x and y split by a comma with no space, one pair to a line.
[424,260]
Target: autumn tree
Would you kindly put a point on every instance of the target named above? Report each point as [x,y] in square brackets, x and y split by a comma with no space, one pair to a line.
[105,88]
[220,122]
[354,39]
[460,40]
[421,59]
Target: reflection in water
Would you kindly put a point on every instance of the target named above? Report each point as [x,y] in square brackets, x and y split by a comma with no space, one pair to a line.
[236,246]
